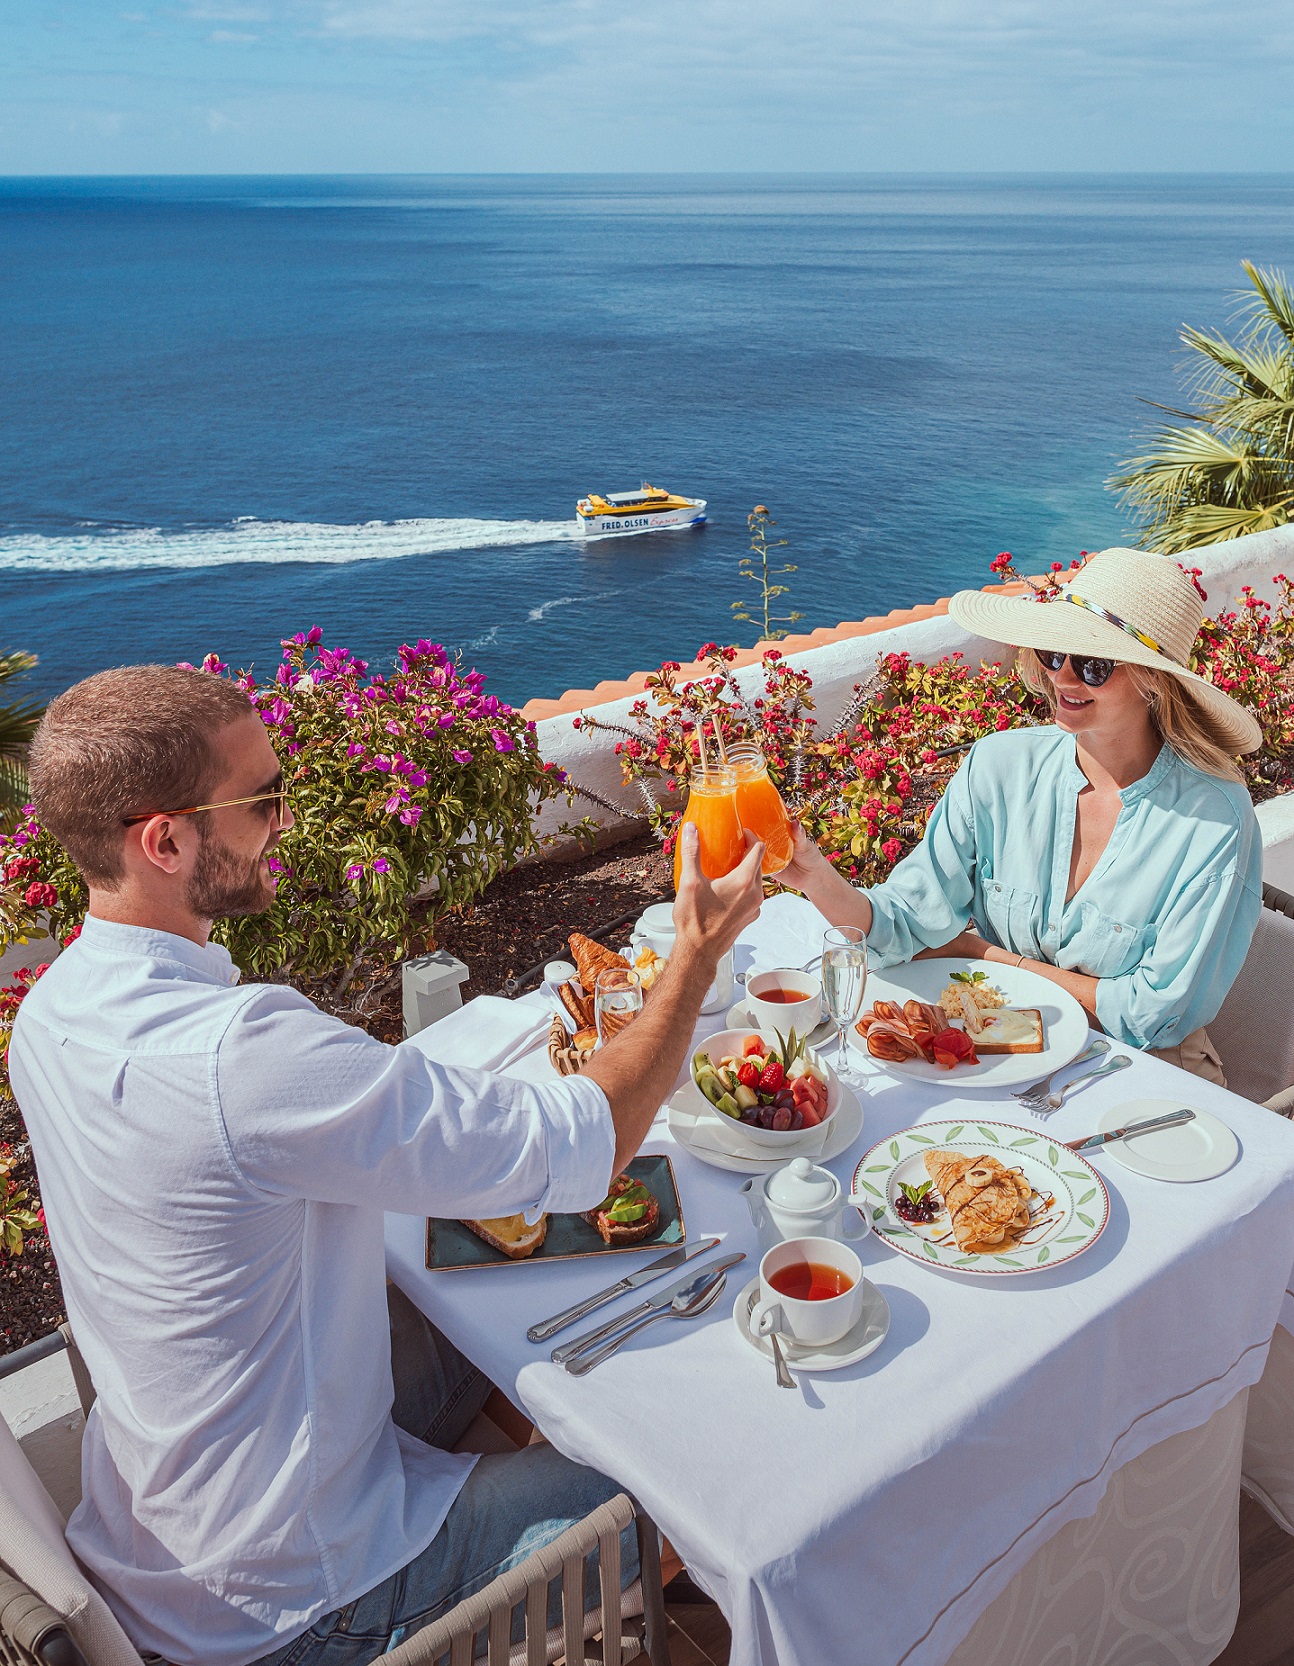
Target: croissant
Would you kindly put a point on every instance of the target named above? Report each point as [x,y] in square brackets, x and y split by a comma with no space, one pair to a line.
[987,1203]
[591,958]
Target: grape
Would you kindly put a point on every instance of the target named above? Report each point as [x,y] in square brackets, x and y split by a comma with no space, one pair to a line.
[797,1121]
[782,1119]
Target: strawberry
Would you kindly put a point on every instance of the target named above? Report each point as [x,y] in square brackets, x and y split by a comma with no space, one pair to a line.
[772,1076]
[748,1075]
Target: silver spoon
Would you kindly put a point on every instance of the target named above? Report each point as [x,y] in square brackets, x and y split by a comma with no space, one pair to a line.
[784,1377]
[686,1305]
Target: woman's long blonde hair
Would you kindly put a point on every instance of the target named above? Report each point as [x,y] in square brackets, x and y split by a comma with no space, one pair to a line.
[1180,720]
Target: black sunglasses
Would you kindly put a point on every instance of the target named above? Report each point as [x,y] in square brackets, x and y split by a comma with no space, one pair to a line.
[1094,672]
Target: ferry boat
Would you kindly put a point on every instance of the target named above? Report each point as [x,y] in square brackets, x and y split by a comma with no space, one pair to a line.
[647,510]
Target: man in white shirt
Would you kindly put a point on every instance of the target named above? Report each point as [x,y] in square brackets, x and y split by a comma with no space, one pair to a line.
[214,1162]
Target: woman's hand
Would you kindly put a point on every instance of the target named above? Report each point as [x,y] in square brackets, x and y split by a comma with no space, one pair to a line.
[807,862]
[967,945]
[826,888]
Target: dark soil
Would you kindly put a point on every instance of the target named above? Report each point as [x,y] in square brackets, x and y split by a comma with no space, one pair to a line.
[31,1300]
[521,919]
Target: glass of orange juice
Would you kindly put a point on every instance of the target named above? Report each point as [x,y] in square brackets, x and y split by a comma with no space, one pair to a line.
[712,806]
[759,805]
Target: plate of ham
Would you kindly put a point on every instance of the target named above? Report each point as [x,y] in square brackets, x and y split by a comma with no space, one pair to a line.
[1020,1028]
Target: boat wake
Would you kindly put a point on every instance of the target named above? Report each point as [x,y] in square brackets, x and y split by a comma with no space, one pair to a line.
[265,543]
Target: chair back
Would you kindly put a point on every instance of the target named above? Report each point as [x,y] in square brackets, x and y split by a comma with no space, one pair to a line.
[46,1574]
[525,1588]
[1254,1032]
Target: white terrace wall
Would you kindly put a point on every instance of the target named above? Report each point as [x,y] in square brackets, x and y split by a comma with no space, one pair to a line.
[838,666]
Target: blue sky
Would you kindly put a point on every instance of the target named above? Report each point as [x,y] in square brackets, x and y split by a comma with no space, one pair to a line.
[228,86]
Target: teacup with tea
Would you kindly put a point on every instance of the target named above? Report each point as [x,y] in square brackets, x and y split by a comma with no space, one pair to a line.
[811,1292]
[784,999]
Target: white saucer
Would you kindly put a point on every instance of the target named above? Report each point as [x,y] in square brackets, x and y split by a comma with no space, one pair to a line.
[865,1337]
[842,1130]
[739,1019]
[1198,1150]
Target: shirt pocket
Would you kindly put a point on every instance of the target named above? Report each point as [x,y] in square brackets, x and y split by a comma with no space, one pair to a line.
[1011,915]
[1104,947]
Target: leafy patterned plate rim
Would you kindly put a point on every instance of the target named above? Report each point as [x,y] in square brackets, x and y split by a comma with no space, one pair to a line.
[1089,1206]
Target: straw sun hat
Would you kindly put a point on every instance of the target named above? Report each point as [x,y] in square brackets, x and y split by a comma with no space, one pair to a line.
[1127,605]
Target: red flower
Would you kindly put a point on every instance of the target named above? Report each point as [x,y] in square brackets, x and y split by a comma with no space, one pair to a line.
[40,895]
[890,850]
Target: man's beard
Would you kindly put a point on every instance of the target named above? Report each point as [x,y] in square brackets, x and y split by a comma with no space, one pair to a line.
[225,884]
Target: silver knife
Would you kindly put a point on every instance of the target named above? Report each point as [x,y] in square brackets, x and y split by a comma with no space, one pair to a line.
[1093,1140]
[568,1350]
[644,1275]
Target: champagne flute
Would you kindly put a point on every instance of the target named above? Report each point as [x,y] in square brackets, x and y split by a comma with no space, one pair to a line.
[844,978]
[617,999]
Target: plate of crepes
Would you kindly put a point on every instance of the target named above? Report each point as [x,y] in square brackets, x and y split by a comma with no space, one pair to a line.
[969,1023]
[981,1197]
[642,1207]
[573,1037]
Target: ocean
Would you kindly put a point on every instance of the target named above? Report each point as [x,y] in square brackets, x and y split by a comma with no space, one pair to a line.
[232,408]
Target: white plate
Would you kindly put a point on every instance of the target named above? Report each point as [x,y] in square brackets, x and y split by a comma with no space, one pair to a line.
[842,1130]
[865,1337]
[1077,1216]
[1064,1023]
[1198,1150]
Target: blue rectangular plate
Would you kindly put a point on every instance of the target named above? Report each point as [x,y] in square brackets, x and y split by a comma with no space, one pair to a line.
[452,1246]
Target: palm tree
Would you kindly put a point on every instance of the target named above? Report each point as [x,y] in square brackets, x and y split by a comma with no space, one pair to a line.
[18,722]
[1232,470]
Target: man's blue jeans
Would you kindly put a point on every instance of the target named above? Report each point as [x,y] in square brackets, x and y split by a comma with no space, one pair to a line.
[509,1506]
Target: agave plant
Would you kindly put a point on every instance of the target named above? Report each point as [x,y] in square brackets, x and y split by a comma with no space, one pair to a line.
[18,722]
[1230,470]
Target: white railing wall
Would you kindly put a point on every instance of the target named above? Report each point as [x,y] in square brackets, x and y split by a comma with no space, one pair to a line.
[837,667]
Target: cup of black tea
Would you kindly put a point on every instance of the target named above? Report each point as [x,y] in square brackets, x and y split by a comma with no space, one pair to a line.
[810,1292]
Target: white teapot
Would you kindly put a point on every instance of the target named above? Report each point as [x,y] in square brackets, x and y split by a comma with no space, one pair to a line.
[799,1200]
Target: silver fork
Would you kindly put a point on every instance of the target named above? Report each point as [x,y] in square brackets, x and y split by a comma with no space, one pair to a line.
[1054,1101]
[1036,1094]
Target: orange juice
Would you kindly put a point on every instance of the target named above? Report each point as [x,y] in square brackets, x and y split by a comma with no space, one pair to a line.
[712,806]
[759,806]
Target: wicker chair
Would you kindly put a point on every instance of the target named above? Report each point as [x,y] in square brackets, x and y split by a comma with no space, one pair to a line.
[1253,1033]
[50,1614]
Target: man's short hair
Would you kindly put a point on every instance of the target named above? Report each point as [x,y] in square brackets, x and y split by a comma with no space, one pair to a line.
[141,737]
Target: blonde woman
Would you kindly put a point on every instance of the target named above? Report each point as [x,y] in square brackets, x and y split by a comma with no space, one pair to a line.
[1114,850]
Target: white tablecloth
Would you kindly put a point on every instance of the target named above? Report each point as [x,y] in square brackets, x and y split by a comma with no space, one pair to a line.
[876,1512]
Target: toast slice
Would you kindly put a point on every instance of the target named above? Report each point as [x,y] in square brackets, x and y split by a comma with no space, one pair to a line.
[634,1198]
[1010,1030]
[511,1235]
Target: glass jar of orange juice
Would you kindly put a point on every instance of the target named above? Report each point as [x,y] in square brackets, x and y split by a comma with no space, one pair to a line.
[712,806]
[759,805]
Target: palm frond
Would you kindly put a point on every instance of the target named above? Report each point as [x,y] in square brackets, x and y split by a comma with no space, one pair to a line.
[1272,305]
[1193,525]
[1228,469]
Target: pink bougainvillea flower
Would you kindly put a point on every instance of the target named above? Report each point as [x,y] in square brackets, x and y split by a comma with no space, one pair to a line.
[503,742]
[462,757]
[355,871]
[381,865]
[411,815]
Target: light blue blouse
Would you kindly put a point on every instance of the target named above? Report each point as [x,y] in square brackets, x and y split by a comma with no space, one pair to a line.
[1164,920]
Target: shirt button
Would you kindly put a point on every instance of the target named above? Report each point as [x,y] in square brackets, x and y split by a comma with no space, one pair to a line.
[1118,928]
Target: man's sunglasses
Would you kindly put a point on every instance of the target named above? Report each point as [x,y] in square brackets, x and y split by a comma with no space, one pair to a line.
[277,796]
[1094,672]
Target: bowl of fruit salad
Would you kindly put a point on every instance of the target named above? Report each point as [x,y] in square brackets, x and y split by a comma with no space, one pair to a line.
[773,1086]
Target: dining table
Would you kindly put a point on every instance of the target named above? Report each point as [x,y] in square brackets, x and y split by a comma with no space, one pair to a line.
[879,1512]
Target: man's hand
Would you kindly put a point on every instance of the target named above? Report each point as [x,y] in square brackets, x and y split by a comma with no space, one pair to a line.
[709,915]
[638,1068]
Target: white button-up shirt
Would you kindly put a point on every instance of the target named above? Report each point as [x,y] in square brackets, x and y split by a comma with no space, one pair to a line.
[214,1162]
